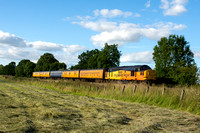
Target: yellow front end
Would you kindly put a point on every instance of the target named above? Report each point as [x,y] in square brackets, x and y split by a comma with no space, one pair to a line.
[150,75]
[70,74]
[116,75]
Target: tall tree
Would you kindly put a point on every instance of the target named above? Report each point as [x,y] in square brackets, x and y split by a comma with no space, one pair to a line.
[174,60]
[19,70]
[25,68]
[109,56]
[9,69]
[29,68]
[1,69]
[57,66]
[45,62]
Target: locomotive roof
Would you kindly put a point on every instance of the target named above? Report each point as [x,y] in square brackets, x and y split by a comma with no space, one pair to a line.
[130,68]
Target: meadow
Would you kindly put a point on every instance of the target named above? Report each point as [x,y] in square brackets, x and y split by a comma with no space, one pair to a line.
[45,105]
[156,95]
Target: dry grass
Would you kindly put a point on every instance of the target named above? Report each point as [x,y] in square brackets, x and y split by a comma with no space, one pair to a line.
[27,108]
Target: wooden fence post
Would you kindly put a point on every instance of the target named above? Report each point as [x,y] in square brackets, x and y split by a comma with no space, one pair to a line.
[164,89]
[90,88]
[97,88]
[114,88]
[182,95]
[147,89]
[123,89]
[134,89]
[104,88]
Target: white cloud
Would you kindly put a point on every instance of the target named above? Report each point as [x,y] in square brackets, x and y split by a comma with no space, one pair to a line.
[148,4]
[15,48]
[18,53]
[173,7]
[123,33]
[99,26]
[46,46]
[11,40]
[137,57]
[196,54]
[137,15]
[111,13]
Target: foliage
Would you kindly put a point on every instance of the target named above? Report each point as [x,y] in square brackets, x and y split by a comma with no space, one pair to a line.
[57,66]
[174,60]
[108,57]
[88,60]
[8,69]
[29,68]
[45,62]
[25,68]
[1,69]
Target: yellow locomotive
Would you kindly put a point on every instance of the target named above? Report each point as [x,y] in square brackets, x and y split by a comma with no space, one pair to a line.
[131,73]
[128,73]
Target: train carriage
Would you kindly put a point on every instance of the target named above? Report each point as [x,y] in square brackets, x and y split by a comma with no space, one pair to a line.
[43,74]
[71,74]
[56,74]
[93,74]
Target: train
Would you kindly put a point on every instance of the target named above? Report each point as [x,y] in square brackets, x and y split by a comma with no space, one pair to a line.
[122,73]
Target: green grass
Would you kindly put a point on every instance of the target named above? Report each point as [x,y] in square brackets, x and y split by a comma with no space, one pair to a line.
[34,105]
[170,99]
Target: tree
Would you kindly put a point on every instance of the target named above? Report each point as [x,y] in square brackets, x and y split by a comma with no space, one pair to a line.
[45,62]
[29,68]
[174,61]
[9,69]
[57,66]
[19,70]
[1,69]
[109,56]
[25,68]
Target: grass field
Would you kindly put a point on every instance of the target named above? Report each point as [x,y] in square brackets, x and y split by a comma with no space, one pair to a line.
[27,108]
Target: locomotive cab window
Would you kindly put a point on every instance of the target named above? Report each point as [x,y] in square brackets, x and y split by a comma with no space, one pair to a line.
[142,73]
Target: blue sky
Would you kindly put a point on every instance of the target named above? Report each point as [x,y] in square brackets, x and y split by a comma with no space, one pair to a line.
[66,28]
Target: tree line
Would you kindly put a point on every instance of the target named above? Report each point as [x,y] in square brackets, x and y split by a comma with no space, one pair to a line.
[174,61]
[25,67]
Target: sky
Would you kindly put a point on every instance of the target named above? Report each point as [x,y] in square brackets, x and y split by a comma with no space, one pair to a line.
[66,28]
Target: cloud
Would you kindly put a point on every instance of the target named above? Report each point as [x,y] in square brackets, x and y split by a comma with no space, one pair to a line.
[18,53]
[15,48]
[137,15]
[148,4]
[111,13]
[11,40]
[46,46]
[99,26]
[137,57]
[122,33]
[196,54]
[174,7]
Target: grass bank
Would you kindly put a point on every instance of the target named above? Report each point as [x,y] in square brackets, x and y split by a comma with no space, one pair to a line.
[172,98]
[28,105]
